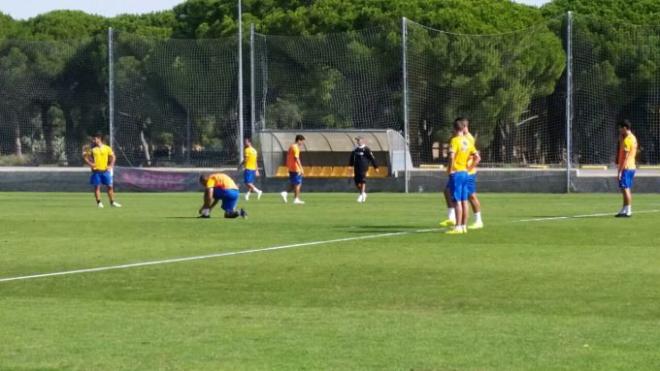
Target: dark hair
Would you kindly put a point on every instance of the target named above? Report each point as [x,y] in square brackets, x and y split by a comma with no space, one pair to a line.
[459,124]
[202,177]
[462,119]
[98,134]
[625,124]
[299,137]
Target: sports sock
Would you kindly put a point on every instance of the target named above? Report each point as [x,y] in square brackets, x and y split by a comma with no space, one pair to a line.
[477,217]
[451,213]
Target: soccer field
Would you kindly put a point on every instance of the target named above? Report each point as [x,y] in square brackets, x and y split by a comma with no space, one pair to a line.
[352,286]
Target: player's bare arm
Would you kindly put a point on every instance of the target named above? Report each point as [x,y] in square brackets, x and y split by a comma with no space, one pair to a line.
[111,164]
[302,172]
[450,163]
[475,160]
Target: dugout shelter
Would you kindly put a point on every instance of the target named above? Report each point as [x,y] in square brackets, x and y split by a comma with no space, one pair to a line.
[325,153]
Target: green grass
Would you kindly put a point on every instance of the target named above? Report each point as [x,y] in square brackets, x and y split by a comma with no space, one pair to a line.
[578,294]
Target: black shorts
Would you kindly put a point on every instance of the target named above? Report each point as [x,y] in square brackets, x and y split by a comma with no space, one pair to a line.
[360,178]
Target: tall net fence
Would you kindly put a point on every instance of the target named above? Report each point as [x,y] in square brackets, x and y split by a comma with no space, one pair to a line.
[346,80]
[176,101]
[52,97]
[616,71]
[503,83]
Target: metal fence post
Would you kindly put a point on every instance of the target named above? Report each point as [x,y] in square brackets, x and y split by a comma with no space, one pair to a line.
[252,77]
[569,98]
[240,83]
[404,56]
[111,90]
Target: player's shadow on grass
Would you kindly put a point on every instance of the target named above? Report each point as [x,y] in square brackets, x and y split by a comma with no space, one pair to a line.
[384,228]
[181,217]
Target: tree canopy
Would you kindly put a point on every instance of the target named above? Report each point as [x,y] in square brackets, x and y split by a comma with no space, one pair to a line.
[175,96]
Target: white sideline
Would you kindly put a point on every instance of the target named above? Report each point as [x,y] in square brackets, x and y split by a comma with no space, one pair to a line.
[211,256]
[282,247]
[580,216]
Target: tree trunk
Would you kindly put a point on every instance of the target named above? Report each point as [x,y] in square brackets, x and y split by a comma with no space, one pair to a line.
[47,127]
[145,148]
[18,146]
[70,138]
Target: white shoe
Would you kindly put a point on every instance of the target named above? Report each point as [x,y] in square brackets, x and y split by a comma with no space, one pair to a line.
[115,204]
[284,194]
[359,199]
[247,196]
[298,202]
[99,205]
[364,197]
[259,194]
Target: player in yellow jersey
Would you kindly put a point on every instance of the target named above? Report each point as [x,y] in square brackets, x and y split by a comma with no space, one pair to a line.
[472,183]
[626,166]
[471,188]
[101,160]
[296,171]
[462,157]
[250,169]
[220,187]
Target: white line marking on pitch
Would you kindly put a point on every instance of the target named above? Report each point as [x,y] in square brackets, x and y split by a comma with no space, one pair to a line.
[282,247]
[211,256]
[579,216]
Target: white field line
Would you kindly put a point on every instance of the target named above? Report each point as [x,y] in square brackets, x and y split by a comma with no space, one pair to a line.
[212,256]
[281,247]
[580,216]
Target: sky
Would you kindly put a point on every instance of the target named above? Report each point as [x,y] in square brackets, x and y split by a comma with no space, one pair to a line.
[23,9]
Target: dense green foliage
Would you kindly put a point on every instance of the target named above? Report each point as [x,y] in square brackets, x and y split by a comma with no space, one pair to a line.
[53,82]
[616,46]
[576,294]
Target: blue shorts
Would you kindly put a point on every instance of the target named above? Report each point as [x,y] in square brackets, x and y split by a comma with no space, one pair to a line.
[229,198]
[626,180]
[101,177]
[295,178]
[249,176]
[471,184]
[458,186]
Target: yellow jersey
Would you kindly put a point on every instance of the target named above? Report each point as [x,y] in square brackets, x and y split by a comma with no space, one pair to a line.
[100,156]
[250,155]
[627,145]
[291,163]
[462,149]
[470,138]
[220,180]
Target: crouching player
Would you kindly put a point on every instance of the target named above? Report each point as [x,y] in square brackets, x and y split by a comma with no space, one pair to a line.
[461,153]
[220,187]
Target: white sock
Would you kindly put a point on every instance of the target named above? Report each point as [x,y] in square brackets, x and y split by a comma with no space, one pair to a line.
[257,189]
[451,213]
[247,195]
[627,209]
[477,217]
